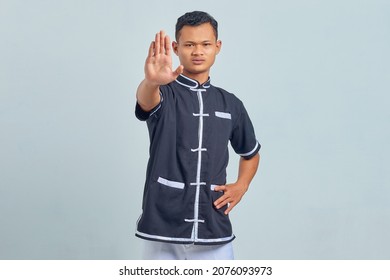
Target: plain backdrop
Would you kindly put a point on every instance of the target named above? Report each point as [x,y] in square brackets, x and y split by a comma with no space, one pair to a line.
[314,76]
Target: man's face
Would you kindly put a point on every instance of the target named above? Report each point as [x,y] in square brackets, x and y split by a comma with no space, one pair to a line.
[196,48]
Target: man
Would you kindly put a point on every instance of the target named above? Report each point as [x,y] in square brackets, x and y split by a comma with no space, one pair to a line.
[186,199]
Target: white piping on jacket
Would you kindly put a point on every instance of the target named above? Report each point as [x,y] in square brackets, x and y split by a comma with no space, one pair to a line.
[177,239]
[172,184]
[198,183]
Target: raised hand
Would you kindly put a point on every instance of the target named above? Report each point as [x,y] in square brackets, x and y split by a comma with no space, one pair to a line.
[158,65]
[158,71]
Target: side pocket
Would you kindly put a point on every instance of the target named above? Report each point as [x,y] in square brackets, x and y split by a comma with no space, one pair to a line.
[172,184]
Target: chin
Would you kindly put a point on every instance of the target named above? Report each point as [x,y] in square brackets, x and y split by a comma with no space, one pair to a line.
[198,70]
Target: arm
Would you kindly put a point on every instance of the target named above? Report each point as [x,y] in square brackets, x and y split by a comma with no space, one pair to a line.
[158,71]
[234,192]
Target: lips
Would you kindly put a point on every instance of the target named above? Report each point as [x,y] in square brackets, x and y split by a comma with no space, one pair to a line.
[198,61]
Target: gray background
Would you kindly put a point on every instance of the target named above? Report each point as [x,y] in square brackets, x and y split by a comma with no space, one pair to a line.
[314,76]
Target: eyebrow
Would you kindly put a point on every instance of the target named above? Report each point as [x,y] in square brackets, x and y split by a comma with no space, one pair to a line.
[193,42]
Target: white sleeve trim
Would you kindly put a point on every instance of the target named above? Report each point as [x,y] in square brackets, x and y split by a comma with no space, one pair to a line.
[251,152]
[159,106]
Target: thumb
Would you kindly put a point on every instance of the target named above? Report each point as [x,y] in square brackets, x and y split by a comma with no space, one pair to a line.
[178,70]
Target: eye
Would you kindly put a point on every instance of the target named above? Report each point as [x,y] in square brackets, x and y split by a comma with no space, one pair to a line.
[188,45]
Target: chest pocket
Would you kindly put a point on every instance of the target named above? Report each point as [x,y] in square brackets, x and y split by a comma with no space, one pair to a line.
[223,115]
[222,126]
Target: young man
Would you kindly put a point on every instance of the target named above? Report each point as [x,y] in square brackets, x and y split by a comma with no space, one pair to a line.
[186,199]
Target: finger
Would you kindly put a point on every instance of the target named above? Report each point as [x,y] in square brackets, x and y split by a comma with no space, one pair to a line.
[230,208]
[151,49]
[157,44]
[162,39]
[167,45]
[221,202]
[220,188]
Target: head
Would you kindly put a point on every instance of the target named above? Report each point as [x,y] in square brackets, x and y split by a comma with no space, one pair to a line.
[194,19]
[197,44]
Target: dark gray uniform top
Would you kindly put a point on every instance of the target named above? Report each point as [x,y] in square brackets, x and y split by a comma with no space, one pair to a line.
[189,134]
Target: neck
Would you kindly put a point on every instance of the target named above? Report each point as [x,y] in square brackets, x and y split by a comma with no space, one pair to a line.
[201,78]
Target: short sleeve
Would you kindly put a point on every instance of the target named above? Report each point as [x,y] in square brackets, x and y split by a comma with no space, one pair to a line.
[144,115]
[243,138]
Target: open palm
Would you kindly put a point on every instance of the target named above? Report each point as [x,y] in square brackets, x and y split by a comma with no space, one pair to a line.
[158,65]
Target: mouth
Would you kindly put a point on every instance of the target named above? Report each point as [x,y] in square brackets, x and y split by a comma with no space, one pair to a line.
[198,61]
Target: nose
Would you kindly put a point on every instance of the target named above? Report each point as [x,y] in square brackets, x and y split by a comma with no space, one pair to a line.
[198,50]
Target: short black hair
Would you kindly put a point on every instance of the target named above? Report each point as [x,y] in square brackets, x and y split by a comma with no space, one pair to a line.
[195,18]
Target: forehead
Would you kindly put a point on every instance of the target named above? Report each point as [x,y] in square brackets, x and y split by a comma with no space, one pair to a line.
[199,33]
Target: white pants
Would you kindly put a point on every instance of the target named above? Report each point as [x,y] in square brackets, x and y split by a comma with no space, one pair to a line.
[154,250]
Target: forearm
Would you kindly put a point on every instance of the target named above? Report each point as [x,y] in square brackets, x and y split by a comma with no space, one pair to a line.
[148,95]
[247,170]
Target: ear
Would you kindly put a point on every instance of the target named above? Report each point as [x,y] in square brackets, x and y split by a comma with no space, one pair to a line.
[174,47]
[218,46]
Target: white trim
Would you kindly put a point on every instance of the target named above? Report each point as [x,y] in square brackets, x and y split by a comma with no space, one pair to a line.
[199,166]
[222,239]
[172,184]
[223,115]
[191,80]
[192,220]
[155,110]
[251,152]
[183,84]
[196,83]
[200,115]
[199,150]
[165,238]
[198,184]
[159,106]
[212,188]
[157,237]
